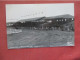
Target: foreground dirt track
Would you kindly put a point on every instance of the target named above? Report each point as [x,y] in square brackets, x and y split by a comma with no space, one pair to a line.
[40,38]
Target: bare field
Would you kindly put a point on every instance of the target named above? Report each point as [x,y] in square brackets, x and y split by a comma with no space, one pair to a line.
[40,38]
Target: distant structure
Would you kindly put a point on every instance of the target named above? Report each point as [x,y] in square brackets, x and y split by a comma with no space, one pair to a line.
[62,22]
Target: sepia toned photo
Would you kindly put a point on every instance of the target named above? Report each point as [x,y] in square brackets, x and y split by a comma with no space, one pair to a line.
[40,25]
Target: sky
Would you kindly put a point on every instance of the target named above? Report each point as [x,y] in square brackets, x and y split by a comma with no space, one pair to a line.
[16,12]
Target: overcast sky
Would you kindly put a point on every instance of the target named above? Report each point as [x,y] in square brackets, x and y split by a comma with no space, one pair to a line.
[16,12]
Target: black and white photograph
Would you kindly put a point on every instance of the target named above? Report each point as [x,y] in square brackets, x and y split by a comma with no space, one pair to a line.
[40,25]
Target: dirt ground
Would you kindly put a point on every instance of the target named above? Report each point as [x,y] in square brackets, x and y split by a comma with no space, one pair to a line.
[40,38]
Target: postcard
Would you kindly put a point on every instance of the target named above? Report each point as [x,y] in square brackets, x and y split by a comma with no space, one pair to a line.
[40,25]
